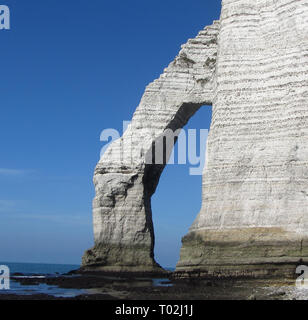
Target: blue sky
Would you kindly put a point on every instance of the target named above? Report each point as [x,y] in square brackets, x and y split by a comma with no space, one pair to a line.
[70,69]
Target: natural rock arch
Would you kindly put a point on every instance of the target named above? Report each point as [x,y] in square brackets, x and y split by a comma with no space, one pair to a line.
[126,178]
[252,67]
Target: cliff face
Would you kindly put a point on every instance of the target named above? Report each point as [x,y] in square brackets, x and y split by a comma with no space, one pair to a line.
[255,182]
[252,66]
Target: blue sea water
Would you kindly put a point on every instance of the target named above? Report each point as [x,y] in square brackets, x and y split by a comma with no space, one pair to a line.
[40,270]
[49,270]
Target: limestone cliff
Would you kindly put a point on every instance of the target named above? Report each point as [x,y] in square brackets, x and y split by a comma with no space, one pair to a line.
[252,67]
[254,215]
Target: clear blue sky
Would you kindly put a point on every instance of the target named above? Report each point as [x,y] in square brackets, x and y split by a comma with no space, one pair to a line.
[70,69]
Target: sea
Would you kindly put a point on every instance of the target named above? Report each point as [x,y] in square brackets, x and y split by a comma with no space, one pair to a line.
[39,268]
[31,270]
[43,270]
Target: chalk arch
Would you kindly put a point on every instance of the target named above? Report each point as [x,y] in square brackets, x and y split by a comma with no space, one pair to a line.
[125,177]
[254,217]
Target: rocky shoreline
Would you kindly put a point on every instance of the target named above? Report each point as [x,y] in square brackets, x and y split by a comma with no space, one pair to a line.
[102,286]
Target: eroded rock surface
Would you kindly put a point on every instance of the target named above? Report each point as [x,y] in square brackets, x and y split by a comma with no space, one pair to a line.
[254,215]
[252,66]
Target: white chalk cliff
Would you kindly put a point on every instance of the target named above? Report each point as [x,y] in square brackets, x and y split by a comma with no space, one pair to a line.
[252,67]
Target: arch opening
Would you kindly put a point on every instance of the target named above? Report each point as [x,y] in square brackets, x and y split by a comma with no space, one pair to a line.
[177,199]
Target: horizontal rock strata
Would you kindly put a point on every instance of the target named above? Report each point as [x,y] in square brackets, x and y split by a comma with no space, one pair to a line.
[252,66]
[255,182]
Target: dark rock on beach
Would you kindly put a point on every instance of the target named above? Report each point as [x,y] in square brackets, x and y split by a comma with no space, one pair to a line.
[102,286]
